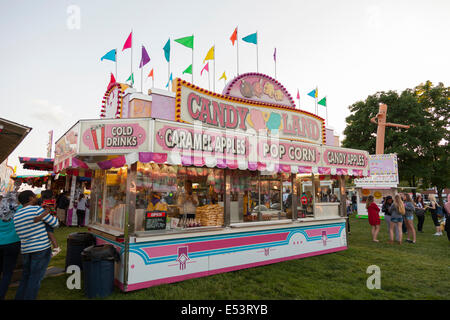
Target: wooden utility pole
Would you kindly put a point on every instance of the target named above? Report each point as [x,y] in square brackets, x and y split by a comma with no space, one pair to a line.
[382,124]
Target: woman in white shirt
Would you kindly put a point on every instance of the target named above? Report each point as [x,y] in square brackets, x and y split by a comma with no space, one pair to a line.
[81,210]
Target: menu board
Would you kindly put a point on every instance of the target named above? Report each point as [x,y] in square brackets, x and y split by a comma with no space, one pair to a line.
[155,220]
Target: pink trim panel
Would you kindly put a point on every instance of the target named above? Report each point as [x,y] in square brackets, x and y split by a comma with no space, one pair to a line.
[154,252]
[147,284]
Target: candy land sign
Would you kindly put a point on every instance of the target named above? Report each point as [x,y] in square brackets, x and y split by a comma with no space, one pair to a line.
[114,137]
[213,110]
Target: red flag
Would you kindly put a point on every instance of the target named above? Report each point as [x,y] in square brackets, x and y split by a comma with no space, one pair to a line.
[298,94]
[233,37]
[128,42]
[151,74]
[113,80]
[206,67]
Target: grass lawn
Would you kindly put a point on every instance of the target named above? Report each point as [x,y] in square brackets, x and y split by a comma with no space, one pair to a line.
[409,271]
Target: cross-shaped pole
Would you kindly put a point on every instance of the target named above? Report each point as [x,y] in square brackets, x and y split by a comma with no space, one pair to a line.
[382,124]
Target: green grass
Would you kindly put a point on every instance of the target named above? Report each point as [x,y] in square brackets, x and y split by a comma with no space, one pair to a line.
[419,271]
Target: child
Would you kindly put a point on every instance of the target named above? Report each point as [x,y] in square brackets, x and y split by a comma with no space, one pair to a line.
[49,203]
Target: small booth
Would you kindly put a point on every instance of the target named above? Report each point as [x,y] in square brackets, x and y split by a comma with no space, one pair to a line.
[192,183]
[382,182]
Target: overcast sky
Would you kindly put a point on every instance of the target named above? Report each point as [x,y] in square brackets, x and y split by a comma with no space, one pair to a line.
[52,75]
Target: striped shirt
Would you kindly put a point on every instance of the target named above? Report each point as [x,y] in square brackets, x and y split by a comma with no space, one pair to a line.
[33,236]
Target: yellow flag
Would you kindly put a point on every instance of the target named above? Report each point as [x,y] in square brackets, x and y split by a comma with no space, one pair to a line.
[223,76]
[209,55]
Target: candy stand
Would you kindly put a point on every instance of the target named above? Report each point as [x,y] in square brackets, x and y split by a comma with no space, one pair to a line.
[382,182]
[243,155]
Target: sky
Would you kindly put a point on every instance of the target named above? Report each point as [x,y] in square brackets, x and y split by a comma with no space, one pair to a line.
[52,75]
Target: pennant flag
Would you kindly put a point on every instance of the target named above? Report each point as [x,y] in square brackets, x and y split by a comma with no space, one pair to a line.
[151,74]
[233,37]
[223,76]
[323,102]
[127,43]
[131,78]
[112,79]
[251,38]
[170,79]
[186,41]
[206,67]
[313,93]
[167,50]
[209,55]
[111,55]
[188,70]
[275,55]
[298,94]
[145,58]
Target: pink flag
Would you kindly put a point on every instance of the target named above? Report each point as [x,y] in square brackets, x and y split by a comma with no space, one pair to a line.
[298,94]
[128,42]
[206,67]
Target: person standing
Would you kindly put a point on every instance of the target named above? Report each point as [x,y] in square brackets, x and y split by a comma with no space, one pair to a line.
[387,214]
[354,204]
[374,217]
[433,208]
[188,201]
[81,210]
[420,213]
[9,242]
[409,219]
[62,203]
[447,217]
[35,245]
[397,210]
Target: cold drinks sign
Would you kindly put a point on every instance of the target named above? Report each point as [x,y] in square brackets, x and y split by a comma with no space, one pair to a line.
[114,136]
[224,112]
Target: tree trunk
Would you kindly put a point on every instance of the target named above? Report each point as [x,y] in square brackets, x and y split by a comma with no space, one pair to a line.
[414,186]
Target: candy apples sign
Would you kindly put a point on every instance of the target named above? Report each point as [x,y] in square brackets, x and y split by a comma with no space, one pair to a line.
[225,112]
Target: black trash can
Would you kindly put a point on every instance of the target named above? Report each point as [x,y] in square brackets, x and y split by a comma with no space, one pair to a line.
[98,270]
[76,243]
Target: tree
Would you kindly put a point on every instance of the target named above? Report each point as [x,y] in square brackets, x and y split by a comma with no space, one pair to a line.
[435,99]
[425,109]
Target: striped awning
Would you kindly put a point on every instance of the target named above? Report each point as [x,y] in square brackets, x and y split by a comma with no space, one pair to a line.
[76,165]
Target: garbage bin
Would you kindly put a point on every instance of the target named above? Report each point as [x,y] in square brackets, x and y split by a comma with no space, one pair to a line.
[98,270]
[76,243]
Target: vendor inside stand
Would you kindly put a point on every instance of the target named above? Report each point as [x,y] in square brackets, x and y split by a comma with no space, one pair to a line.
[187,201]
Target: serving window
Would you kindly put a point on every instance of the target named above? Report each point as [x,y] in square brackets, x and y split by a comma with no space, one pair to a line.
[189,197]
[170,198]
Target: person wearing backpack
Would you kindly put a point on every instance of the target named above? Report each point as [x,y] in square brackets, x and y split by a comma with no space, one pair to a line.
[436,210]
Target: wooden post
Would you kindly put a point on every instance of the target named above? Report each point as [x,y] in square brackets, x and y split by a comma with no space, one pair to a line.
[382,124]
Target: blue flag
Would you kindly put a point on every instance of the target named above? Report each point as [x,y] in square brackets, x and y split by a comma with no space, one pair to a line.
[251,38]
[167,50]
[313,94]
[111,55]
[170,79]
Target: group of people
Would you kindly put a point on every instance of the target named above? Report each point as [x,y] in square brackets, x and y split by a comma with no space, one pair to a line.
[27,225]
[399,215]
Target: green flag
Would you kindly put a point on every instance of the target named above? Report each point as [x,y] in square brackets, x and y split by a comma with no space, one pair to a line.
[131,78]
[188,70]
[323,102]
[186,41]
